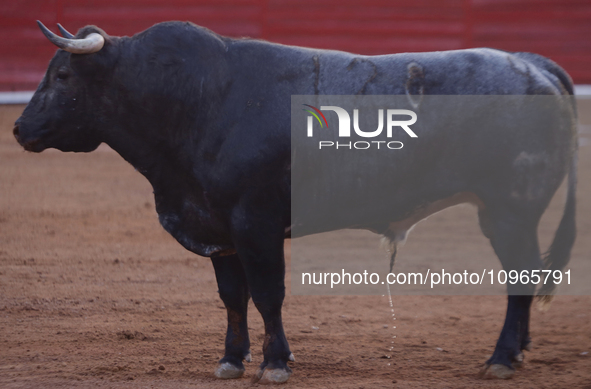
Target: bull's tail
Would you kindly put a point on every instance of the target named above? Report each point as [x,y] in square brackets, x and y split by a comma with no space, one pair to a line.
[558,255]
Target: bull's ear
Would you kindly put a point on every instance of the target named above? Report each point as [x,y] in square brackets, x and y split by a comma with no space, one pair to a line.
[100,62]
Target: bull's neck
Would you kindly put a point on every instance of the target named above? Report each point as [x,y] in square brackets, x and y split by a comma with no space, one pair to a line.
[153,159]
[160,129]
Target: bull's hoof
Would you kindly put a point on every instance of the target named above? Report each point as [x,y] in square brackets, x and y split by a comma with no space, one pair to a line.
[527,346]
[496,371]
[226,370]
[271,376]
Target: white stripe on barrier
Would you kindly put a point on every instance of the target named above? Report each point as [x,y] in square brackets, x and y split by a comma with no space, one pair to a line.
[23,97]
[15,97]
[583,91]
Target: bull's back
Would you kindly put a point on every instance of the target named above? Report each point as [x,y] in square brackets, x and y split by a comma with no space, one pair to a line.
[513,150]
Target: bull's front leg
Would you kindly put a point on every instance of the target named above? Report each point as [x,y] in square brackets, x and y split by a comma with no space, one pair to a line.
[233,290]
[259,243]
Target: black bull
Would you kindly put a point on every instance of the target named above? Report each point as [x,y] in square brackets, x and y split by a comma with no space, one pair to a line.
[206,119]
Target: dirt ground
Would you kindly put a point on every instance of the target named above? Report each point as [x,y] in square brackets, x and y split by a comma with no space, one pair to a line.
[94,293]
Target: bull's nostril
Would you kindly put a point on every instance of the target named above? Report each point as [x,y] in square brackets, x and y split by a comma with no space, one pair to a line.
[15,131]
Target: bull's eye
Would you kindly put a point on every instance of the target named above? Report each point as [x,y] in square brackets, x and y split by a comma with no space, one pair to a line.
[61,75]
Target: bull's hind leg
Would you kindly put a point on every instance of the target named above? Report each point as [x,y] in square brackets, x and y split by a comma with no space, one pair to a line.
[513,340]
[514,239]
[233,290]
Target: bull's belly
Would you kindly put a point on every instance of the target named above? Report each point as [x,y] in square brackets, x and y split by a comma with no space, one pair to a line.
[398,230]
[395,227]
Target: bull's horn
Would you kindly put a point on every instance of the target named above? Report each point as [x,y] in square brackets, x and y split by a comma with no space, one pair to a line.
[65,33]
[91,44]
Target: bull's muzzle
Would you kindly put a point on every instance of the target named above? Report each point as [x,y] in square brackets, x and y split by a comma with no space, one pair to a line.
[29,145]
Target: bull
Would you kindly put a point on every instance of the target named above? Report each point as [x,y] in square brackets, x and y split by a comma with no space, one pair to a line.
[206,119]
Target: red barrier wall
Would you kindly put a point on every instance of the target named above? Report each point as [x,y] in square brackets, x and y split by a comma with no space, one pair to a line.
[558,29]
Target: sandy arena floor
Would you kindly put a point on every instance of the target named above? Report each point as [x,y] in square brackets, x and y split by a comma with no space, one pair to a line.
[94,293]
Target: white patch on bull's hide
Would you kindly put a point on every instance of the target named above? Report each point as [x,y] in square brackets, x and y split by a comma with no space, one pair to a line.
[531,169]
[415,76]
[525,158]
[518,65]
[413,100]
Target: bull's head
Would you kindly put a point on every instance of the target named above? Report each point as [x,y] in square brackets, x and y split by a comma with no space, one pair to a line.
[60,114]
